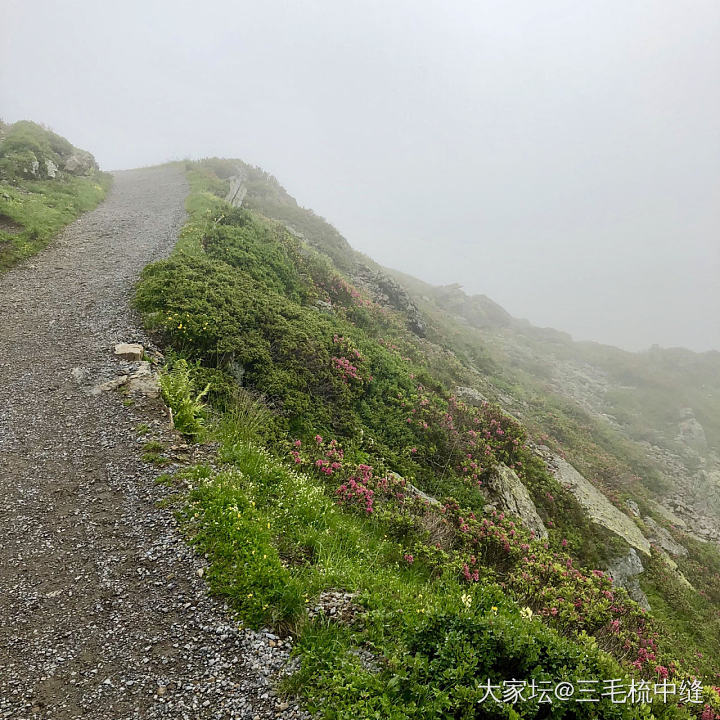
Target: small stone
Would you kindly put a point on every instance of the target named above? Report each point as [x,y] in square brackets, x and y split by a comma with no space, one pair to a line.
[129,351]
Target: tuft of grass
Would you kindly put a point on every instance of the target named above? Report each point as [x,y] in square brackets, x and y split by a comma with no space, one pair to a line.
[154,446]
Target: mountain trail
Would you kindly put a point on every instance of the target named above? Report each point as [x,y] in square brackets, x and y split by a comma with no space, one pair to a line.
[104,611]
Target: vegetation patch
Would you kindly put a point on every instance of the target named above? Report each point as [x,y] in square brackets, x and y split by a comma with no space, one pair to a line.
[39,195]
[348,465]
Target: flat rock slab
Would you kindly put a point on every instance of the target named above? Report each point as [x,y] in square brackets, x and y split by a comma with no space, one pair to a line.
[129,351]
[104,615]
[598,507]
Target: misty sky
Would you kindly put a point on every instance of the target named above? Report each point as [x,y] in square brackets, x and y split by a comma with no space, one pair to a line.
[562,157]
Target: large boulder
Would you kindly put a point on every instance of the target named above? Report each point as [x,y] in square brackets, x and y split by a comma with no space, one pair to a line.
[80,162]
[419,494]
[598,507]
[624,571]
[506,490]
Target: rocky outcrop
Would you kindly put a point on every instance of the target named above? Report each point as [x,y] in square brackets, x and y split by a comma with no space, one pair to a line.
[697,523]
[31,151]
[387,291]
[690,432]
[324,306]
[470,396]
[80,162]
[238,190]
[597,506]
[477,310]
[659,536]
[506,491]
[624,571]
[669,515]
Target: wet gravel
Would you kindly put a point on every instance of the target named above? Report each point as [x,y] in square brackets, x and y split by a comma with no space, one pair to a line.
[104,613]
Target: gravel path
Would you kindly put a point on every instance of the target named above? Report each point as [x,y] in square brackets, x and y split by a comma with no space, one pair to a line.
[103,613]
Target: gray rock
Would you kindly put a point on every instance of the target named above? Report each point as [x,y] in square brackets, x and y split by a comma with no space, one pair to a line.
[80,162]
[508,492]
[238,190]
[598,507]
[633,507]
[470,396]
[673,567]
[658,535]
[324,306]
[109,385]
[129,351]
[669,515]
[144,381]
[387,291]
[624,571]
[691,432]
[50,168]
[237,370]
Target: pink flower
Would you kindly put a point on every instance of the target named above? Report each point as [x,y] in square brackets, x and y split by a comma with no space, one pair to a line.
[318,439]
[297,443]
[409,559]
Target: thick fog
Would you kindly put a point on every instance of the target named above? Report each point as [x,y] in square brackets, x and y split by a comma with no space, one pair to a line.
[561,157]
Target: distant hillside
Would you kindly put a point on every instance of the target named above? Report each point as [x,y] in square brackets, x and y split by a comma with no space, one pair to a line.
[657,413]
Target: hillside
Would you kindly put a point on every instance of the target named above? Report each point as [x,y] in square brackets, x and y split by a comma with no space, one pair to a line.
[45,183]
[427,493]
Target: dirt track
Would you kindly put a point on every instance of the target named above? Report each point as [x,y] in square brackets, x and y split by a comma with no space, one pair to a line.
[102,611]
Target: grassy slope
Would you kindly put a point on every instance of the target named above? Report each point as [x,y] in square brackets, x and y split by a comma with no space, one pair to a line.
[648,391]
[33,210]
[439,591]
[514,364]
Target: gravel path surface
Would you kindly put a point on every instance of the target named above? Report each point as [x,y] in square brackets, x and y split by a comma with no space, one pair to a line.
[103,612]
